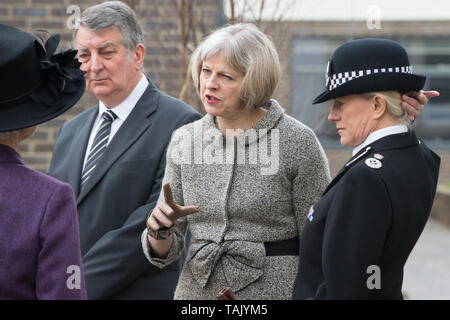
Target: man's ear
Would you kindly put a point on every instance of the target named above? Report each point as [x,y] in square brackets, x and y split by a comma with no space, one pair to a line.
[379,106]
[139,55]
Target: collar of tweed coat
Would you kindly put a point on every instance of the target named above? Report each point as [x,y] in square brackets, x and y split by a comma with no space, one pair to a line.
[272,116]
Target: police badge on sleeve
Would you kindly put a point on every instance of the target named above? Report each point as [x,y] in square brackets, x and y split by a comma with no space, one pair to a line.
[373,163]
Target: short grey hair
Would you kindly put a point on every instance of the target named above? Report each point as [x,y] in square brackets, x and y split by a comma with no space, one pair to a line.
[114,14]
[248,50]
[393,105]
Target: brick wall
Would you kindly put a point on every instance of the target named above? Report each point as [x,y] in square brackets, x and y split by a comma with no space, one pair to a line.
[161,23]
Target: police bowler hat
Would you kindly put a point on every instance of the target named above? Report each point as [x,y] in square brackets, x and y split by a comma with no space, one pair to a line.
[368,65]
[36,85]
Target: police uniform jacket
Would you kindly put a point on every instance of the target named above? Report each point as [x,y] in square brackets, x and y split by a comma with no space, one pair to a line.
[360,233]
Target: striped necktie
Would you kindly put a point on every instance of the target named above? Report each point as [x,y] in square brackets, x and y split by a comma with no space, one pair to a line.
[98,145]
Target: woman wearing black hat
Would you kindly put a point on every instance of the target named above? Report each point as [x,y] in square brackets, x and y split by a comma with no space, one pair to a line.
[39,241]
[360,233]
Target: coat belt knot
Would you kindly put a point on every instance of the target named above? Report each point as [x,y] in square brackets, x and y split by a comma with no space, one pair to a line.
[242,261]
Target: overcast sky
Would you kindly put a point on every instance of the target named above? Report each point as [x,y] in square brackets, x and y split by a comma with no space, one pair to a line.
[345,10]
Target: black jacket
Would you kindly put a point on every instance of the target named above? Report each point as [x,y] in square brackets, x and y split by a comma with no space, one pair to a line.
[370,216]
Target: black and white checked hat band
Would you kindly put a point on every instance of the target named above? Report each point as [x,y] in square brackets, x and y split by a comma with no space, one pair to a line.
[337,79]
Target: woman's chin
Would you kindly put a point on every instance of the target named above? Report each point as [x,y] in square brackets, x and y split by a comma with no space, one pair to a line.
[211,110]
[345,143]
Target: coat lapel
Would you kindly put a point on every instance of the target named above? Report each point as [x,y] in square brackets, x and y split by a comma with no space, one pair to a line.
[396,141]
[78,148]
[347,166]
[134,126]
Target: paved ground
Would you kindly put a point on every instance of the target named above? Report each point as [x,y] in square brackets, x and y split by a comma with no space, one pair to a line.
[427,271]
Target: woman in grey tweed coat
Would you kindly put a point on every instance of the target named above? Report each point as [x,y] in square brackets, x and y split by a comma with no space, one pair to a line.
[242,178]
[247,191]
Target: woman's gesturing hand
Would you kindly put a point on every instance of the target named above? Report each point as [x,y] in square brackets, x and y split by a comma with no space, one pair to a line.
[165,215]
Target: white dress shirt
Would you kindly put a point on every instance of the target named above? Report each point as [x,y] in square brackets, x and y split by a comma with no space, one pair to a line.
[122,111]
[378,134]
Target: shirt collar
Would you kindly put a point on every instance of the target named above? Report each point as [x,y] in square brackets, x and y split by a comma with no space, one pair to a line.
[123,109]
[378,134]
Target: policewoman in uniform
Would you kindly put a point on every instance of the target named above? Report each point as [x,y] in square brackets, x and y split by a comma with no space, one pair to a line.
[359,235]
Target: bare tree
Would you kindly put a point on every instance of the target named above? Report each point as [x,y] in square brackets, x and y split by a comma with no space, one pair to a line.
[188,31]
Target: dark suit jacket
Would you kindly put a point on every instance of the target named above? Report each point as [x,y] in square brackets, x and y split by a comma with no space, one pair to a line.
[39,240]
[119,195]
[371,214]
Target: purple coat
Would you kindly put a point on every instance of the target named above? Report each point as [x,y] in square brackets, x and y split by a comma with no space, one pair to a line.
[39,237]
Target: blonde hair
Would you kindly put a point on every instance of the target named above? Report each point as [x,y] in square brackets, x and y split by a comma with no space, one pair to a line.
[393,105]
[248,50]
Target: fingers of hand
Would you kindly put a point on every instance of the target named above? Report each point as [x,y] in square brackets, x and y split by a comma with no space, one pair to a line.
[412,106]
[421,97]
[178,211]
[410,110]
[152,223]
[168,197]
[158,219]
[186,210]
[168,211]
[431,94]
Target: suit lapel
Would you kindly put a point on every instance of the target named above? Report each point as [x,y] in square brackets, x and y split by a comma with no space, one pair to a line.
[78,148]
[134,126]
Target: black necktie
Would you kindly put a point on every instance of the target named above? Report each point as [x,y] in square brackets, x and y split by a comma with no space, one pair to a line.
[98,145]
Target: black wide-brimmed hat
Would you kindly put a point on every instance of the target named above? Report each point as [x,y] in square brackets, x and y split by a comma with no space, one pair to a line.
[36,85]
[368,65]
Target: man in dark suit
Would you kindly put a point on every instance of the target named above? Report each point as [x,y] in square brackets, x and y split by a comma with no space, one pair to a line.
[115,160]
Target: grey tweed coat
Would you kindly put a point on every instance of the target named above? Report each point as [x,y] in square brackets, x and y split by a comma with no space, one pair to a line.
[252,189]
